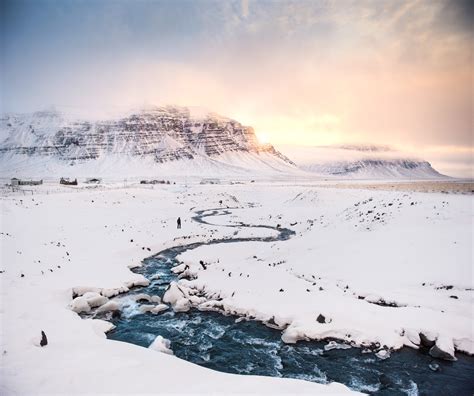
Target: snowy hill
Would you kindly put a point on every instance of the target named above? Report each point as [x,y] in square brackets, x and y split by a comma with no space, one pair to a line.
[360,162]
[141,142]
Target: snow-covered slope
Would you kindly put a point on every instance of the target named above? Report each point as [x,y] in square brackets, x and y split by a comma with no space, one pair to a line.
[361,162]
[135,144]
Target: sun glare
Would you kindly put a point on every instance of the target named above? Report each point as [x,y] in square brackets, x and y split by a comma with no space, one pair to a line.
[263,138]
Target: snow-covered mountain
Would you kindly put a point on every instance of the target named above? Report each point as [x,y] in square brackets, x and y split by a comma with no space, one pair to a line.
[171,140]
[144,141]
[360,162]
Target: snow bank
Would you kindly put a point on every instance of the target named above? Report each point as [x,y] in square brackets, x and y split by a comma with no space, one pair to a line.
[48,250]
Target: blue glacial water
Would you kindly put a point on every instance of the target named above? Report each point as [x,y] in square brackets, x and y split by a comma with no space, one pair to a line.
[227,344]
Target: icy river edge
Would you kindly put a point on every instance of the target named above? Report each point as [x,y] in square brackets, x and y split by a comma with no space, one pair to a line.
[240,344]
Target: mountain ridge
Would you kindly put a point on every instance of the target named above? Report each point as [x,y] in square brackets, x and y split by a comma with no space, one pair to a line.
[162,134]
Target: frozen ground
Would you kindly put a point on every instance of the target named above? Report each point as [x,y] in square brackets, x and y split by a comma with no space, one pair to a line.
[355,252]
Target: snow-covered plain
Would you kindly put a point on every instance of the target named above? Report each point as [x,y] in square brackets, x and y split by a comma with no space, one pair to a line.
[355,252]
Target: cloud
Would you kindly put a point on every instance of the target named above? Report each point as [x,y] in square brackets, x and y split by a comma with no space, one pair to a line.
[245,8]
[319,72]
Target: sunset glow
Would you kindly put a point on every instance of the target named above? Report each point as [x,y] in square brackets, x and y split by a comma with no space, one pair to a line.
[299,72]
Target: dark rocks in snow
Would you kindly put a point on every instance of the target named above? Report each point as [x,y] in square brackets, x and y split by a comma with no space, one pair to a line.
[202,264]
[455,297]
[22,275]
[321,318]
[438,353]
[142,300]
[427,340]
[44,339]
[281,290]
[445,287]
[116,315]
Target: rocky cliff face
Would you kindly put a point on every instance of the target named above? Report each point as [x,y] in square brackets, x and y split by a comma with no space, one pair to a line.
[162,133]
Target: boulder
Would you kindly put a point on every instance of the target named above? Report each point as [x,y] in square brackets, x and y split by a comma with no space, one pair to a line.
[321,318]
[443,349]
[427,339]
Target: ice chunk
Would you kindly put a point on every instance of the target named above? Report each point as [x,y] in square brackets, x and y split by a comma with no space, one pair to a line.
[146,308]
[414,337]
[80,304]
[291,335]
[138,280]
[109,306]
[182,305]
[161,345]
[465,345]
[173,294]
[176,297]
[95,299]
[80,290]
[159,308]
[114,291]
[383,354]
[334,345]
[179,268]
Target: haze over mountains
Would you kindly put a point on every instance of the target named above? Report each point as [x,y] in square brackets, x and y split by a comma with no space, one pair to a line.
[174,140]
[360,162]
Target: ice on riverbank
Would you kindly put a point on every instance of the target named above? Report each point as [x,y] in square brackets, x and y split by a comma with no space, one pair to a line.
[161,344]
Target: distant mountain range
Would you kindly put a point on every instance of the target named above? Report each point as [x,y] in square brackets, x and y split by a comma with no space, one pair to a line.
[134,144]
[360,162]
[171,140]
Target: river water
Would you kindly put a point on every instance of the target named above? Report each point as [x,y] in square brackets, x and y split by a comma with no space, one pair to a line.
[225,343]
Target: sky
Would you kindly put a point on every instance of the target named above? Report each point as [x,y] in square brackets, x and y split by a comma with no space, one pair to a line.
[396,73]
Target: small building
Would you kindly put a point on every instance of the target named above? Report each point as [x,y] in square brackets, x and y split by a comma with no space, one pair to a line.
[68,182]
[18,182]
[155,182]
[93,180]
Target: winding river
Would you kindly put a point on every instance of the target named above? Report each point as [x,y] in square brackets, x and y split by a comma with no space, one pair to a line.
[226,344]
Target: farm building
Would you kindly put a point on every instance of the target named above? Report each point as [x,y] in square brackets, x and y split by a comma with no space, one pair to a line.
[18,182]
